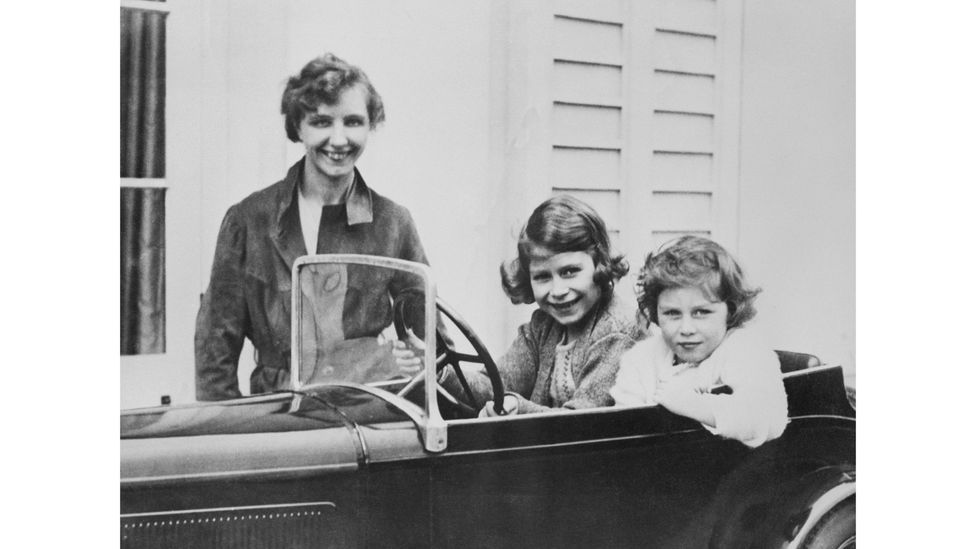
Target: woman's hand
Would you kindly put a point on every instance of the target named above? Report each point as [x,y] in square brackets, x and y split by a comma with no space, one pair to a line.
[406,359]
[510,404]
[408,355]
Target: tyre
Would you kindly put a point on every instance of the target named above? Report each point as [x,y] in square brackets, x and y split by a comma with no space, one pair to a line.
[836,530]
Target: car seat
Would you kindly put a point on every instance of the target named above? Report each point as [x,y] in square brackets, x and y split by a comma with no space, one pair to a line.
[790,361]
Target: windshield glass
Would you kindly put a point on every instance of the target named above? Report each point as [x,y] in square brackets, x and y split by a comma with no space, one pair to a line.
[358,319]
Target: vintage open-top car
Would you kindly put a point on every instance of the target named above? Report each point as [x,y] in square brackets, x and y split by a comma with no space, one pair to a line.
[352,456]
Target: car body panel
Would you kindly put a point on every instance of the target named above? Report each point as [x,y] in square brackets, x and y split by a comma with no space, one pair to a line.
[623,477]
[260,471]
[616,476]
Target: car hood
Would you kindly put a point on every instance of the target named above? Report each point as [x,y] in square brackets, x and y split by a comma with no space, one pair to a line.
[322,408]
[278,434]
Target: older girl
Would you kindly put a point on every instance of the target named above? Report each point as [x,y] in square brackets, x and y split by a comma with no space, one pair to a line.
[567,355]
[696,293]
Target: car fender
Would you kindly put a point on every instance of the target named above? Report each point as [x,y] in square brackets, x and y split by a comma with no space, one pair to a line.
[843,489]
[782,512]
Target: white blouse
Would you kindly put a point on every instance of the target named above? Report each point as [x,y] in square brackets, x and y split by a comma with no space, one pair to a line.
[310,215]
[754,413]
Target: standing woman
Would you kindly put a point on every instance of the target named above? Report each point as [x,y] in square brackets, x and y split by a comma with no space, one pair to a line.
[323,205]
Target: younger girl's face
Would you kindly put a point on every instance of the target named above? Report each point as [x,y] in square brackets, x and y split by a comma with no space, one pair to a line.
[563,285]
[693,325]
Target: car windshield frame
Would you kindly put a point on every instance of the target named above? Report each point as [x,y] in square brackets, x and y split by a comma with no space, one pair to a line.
[433,428]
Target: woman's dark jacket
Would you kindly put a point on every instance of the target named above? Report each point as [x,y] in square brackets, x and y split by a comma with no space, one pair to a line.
[249,295]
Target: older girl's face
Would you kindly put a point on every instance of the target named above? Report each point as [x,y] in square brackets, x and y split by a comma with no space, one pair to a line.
[335,135]
[563,286]
[692,324]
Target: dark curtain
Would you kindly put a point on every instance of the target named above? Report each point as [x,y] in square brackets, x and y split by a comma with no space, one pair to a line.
[143,245]
[143,294]
[143,93]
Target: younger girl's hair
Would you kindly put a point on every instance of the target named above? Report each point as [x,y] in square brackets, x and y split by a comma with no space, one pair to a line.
[563,224]
[697,262]
[320,81]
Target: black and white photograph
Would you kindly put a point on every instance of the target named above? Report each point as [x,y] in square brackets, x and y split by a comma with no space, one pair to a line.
[487,273]
[506,273]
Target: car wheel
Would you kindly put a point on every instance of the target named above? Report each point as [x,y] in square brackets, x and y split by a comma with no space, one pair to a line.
[836,530]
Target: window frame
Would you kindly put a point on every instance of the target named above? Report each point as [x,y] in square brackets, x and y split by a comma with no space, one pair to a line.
[151,182]
[146,378]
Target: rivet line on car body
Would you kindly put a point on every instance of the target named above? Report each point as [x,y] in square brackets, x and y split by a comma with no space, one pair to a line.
[221,519]
[237,509]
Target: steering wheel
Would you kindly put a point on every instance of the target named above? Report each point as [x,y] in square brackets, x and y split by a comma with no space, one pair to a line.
[447,355]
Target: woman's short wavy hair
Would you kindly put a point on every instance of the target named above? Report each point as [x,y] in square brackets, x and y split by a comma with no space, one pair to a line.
[696,262]
[563,224]
[320,81]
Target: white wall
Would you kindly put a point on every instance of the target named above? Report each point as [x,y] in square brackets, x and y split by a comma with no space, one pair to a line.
[796,203]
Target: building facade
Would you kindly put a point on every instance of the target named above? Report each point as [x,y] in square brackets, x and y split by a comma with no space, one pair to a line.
[732,119]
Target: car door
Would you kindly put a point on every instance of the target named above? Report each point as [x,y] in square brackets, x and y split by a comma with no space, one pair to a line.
[613,477]
[639,477]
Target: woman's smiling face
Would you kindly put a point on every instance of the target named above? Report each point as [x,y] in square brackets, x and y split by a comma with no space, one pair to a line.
[335,135]
[563,285]
[692,324]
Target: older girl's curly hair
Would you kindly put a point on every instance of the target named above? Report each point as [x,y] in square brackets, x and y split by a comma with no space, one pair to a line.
[320,81]
[563,224]
[697,262]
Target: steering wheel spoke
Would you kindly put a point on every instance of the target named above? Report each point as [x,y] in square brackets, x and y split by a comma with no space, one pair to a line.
[448,356]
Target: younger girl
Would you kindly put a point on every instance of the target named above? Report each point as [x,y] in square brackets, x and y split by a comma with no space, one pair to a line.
[696,293]
[568,354]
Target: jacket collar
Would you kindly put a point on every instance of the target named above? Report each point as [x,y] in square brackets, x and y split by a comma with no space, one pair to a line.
[359,203]
[286,232]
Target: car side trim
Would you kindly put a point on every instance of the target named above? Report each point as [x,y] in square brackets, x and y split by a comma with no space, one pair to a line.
[824,416]
[819,509]
[226,509]
[252,473]
[555,445]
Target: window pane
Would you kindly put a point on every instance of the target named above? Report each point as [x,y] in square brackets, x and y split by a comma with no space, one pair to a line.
[143,272]
[143,93]
[142,154]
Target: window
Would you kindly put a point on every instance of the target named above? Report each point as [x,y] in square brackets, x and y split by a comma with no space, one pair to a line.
[142,173]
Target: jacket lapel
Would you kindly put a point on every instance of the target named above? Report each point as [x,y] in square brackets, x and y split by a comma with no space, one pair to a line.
[290,246]
[286,231]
